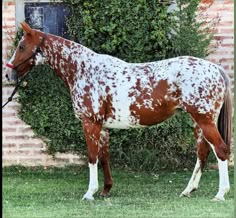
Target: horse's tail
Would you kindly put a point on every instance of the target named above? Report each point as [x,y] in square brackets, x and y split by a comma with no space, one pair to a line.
[225,118]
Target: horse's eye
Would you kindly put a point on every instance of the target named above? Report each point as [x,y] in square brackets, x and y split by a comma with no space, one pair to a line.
[22,47]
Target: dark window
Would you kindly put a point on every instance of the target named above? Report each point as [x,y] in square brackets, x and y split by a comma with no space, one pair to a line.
[47,17]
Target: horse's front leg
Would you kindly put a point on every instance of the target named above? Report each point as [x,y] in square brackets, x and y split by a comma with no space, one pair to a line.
[92,133]
[104,157]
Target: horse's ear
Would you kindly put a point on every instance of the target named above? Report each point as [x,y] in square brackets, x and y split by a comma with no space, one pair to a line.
[27,28]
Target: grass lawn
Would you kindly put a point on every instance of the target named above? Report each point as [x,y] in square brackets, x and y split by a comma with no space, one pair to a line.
[57,193]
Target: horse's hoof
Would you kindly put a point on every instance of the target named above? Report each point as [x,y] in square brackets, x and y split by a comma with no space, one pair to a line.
[105,194]
[218,199]
[185,195]
[87,198]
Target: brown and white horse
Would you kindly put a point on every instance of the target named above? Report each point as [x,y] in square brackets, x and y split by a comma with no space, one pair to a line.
[110,93]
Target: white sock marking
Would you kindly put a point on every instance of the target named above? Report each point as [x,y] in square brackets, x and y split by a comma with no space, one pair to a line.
[93,181]
[224,185]
[194,181]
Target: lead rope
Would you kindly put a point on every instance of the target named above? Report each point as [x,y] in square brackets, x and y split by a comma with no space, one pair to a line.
[13,93]
[14,90]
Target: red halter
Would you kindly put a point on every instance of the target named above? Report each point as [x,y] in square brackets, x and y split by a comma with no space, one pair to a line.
[10,65]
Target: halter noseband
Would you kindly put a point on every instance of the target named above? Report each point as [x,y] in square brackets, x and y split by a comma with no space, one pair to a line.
[38,50]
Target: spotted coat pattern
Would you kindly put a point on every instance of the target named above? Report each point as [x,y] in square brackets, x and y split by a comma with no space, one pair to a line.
[123,95]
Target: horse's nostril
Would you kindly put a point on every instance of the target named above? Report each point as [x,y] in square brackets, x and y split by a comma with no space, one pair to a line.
[7,77]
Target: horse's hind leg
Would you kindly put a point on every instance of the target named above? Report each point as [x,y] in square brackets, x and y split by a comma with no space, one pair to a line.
[104,157]
[203,150]
[212,136]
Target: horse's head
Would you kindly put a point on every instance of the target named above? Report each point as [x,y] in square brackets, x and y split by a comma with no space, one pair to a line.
[27,54]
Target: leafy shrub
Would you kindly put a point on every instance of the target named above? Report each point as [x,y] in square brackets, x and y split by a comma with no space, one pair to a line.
[136,32]
[194,36]
[133,31]
[140,31]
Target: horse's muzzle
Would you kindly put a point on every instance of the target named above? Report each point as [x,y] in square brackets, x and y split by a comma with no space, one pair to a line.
[11,75]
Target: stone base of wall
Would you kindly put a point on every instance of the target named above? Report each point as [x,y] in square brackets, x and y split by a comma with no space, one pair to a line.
[19,157]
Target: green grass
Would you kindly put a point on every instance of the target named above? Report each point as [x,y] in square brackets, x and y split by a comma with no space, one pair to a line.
[57,193]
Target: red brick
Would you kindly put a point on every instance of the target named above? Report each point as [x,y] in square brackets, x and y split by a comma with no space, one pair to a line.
[226,23]
[24,152]
[17,137]
[14,122]
[9,129]
[226,67]
[227,60]
[36,152]
[25,129]
[11,3]
[31,145]
[10,19]
[10,152]
[230,45]
[227,31]
[9,145]
[207,1]
[229,2]
[9,114]
[11,106]
[223,37]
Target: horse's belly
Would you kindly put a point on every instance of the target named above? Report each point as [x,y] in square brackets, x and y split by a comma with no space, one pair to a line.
[120,124]
[139,118]
[122,121]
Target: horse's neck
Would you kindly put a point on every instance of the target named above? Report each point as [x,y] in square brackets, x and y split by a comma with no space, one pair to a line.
[64,57]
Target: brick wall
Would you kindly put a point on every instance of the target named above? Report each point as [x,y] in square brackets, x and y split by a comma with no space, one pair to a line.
[20,146]
[224,53]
